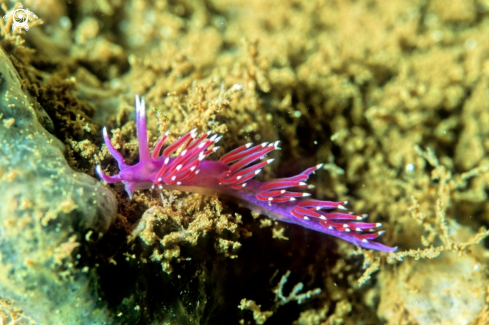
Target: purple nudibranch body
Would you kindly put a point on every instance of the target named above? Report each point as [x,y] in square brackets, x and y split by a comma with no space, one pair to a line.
[230,177]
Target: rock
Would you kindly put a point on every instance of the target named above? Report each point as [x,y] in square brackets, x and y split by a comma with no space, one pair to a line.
[448,290]
[48,214]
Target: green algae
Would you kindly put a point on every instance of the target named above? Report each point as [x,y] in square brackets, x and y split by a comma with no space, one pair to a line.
[46,210]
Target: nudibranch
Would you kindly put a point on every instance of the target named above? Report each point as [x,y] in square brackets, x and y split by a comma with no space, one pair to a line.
[231,178]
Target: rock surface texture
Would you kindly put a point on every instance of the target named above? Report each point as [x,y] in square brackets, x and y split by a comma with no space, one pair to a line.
[48,214]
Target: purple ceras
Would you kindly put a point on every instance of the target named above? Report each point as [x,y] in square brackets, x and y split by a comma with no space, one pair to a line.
[231,178]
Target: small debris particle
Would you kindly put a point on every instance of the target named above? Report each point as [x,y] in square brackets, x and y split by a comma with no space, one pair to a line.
[8,122]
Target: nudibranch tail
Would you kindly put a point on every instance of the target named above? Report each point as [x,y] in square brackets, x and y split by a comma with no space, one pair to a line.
[182,165]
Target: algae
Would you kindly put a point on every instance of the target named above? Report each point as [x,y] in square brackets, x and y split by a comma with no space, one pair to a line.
[46,208]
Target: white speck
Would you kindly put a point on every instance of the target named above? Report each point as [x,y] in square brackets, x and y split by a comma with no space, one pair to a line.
[237,87]
[335,136]
[65,22]
[410,168]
